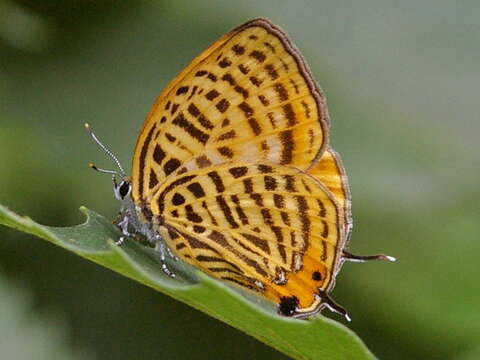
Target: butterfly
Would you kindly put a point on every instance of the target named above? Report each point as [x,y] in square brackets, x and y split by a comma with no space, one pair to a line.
[233,174]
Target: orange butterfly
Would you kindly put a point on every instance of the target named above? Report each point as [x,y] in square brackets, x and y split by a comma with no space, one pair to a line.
[233,174]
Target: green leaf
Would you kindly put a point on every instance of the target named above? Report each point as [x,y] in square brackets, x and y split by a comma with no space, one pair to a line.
[319,338]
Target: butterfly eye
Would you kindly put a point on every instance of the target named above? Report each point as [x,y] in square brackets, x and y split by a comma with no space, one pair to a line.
[124,189]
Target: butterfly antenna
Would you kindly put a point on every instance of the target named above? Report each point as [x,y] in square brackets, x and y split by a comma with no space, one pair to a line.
[108,152]
[113,172]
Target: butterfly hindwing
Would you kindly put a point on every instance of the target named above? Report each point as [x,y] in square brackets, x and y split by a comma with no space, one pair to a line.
[269,228]
[248,97]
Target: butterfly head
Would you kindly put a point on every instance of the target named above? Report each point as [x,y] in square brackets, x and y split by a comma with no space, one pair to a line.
[122,187]
[122,190]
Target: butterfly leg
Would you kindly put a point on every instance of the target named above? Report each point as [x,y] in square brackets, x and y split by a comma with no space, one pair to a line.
[123,225]
[162,250]
[359,258]
[171,254]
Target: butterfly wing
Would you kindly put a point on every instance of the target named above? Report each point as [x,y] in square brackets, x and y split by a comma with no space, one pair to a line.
[269,228]
[250,96]
[329,171]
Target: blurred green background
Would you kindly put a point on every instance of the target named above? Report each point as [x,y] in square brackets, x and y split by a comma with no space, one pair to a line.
[402,83]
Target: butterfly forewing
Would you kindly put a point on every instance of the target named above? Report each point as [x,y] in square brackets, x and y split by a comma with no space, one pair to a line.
[249,97]
[330,172]
[269,228]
